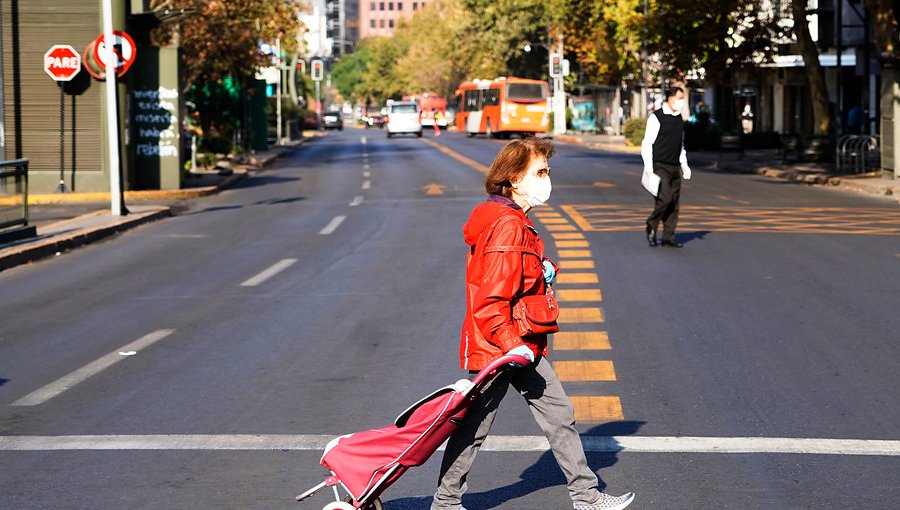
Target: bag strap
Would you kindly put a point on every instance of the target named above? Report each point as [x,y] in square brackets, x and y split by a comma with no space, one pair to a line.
[504,248]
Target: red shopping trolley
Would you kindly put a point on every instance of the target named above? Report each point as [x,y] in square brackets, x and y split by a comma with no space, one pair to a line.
[366,463]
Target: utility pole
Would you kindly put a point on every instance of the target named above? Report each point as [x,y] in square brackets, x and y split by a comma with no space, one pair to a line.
[559,96]
[278,91]
[112,116]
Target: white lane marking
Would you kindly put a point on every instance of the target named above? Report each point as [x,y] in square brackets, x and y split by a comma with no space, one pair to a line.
[367,174]
[264,275]
[358,199]
[601,444]
[367,184]
[332,225]
[364,140]
[366,166]
[66,382]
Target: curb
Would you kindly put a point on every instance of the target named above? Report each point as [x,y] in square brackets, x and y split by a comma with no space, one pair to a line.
[794,176]
[811,178]
[149,195]
[52,245]
[135,196]
[577,140]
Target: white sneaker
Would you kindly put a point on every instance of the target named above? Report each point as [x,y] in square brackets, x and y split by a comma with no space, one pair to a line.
[607,502]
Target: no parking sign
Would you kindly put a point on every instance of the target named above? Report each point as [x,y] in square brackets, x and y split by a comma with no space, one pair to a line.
[123,52]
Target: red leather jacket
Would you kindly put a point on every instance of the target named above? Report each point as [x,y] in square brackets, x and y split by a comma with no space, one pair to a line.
[505,262]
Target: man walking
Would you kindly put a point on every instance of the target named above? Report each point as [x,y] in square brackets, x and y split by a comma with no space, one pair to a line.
[665,163]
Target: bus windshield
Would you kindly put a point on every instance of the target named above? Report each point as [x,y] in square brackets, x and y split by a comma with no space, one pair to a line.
[525,92]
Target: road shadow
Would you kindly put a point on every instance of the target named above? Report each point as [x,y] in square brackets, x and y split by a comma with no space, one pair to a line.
[542,474]
[279,201]
[3,381]
[260,180]
[686,237]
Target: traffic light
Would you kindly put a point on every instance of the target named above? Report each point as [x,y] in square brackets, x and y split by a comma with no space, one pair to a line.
[555,65]
[333,25]
[316,70]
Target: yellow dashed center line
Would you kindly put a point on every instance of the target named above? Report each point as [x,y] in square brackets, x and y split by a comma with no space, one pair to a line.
[573,371]
[567,235]
[597,408]
[578,295]
[576,264]
[561,228]
[580,315]
[589,408]
[554,221]
[575,254]
[581,341]
[577,278]
[571,244]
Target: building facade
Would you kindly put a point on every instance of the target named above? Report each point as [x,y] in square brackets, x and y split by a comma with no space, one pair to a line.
[380,18]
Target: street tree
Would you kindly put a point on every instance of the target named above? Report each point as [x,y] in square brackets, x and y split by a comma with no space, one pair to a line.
[886,30]
[815,75]
[222,37]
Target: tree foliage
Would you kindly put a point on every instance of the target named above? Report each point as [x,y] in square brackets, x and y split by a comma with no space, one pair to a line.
[605,42]
[221,38]
[886,27]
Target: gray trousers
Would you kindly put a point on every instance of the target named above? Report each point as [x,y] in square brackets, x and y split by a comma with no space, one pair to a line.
[553,412]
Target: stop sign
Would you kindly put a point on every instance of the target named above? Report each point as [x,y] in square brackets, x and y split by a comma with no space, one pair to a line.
[62,62]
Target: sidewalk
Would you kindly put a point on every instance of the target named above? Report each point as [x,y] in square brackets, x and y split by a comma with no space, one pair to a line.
[767,163]
[68,220]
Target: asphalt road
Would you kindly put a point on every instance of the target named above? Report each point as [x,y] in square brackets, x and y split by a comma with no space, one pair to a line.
[203,360]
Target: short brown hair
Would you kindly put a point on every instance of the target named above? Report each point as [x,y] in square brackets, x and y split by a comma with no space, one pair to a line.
[512,162]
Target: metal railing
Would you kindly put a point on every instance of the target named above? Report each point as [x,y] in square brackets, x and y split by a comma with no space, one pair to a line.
[857,153]
[13,193]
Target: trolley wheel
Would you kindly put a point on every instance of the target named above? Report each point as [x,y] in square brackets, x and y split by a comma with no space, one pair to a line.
[469,135]
[375,505]
[338,505]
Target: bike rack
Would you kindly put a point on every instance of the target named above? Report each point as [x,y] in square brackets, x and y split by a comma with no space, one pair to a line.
[857,153]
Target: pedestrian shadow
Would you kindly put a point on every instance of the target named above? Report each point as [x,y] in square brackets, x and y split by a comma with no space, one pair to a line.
[686,237]
[544,473]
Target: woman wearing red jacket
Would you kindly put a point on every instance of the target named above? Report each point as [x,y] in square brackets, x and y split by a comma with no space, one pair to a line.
[506,263]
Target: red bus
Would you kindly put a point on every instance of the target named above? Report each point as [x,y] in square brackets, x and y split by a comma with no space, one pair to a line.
[429,104]
[503,107]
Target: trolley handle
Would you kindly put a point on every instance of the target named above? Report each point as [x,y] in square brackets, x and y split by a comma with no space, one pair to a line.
[497,364]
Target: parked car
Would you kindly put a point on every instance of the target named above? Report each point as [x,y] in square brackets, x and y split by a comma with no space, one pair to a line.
[376,120]
[403,117]
[332,119]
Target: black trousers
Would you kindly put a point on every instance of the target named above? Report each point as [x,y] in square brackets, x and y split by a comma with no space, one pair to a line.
[665,207]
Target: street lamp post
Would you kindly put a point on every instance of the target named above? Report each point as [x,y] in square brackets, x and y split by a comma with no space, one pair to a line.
[557,69]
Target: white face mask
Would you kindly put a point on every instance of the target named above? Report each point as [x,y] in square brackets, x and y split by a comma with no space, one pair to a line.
[679,104]
[536,190]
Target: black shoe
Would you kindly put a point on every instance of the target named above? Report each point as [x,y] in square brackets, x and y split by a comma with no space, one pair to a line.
[672,244]
[651,235]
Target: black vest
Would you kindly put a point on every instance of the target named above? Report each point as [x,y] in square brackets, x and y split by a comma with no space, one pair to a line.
[667,147]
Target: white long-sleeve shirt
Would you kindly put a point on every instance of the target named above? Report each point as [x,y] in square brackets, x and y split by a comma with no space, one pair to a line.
[650,135]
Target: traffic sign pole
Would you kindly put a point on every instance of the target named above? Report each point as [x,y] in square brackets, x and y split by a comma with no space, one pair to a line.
[62,138]
[112,117]
[316,69]
[62,63]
